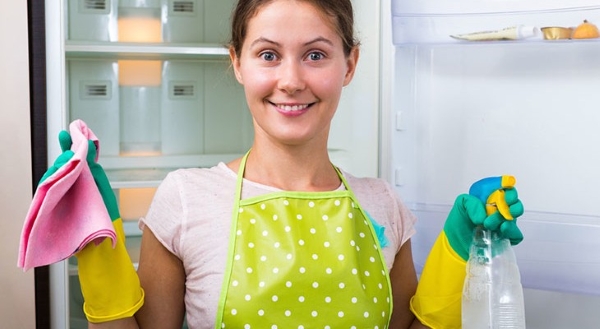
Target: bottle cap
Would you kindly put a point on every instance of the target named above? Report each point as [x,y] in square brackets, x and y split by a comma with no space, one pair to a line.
[528,32]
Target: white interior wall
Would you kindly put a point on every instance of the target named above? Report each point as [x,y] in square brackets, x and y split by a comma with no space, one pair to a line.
[17,306]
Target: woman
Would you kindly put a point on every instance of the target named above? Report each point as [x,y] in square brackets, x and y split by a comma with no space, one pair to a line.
[293,59]
[280,238]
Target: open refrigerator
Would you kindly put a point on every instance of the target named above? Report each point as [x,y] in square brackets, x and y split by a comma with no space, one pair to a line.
[152,79]
[454,111]
[426,112]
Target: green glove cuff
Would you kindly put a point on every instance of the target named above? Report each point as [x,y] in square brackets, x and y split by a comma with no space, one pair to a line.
[467,212]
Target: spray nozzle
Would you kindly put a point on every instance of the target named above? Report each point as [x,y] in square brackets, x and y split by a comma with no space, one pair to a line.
[490,191]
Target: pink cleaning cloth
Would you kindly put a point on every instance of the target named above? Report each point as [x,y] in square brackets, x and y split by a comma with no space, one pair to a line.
[67,211]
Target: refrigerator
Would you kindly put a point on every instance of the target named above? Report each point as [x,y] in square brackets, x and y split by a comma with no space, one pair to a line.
[428,113]
[454,111]
[152,80]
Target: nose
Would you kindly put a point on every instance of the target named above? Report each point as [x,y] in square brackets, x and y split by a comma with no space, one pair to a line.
[291,77]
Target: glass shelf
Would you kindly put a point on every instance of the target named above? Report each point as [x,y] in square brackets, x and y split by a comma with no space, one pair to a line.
[133,172]
[538,42]
[462,7]
[121,50]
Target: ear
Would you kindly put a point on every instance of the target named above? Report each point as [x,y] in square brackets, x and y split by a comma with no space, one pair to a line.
[235,63]
[351,62]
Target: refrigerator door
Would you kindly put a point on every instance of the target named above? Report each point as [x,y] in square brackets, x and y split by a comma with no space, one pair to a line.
[461,111]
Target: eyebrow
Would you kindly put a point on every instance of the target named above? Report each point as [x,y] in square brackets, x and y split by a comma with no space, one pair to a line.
[315,40]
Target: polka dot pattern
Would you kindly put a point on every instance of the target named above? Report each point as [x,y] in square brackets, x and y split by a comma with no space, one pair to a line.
[306,262]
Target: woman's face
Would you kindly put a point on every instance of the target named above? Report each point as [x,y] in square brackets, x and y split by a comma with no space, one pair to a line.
[293,68]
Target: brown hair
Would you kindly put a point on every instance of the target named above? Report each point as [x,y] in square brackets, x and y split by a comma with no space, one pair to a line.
[340,10]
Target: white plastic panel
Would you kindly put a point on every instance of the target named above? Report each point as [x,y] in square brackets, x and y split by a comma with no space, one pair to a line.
[181,21]
[529,110]
[92,20]
[557,310]
[228,123]
[216,17]
[483,110]
[94,98]
[433,21]
[195,115]
[183,108]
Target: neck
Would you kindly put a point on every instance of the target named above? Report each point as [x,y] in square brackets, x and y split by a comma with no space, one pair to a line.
[290,169]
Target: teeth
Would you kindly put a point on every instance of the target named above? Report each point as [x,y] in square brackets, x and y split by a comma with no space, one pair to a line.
[291,108]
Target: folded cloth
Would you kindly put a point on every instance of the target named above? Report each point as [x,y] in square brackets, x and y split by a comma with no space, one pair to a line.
[67,211]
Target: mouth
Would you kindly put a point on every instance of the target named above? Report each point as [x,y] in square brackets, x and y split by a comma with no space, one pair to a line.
[292,107]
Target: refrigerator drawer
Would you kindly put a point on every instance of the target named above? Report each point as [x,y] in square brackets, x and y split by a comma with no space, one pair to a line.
[560,252]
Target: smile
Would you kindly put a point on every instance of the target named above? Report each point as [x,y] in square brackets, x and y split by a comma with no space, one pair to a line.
[292,108]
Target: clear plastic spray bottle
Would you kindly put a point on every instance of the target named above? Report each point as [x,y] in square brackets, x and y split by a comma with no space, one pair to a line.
[492,293]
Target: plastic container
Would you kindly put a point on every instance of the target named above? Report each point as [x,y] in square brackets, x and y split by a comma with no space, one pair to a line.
[492,293]
[510,33]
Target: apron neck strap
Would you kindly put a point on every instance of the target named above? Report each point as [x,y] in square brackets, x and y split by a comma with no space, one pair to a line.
[240,179]
[242,169]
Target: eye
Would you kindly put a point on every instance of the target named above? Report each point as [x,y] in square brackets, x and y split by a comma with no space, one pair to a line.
[315,56]
[268,56]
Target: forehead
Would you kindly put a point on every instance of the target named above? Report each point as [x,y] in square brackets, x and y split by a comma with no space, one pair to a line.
[291,15]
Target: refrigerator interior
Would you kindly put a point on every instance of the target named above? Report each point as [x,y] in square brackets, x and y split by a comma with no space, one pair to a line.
[462,111]
[153,80]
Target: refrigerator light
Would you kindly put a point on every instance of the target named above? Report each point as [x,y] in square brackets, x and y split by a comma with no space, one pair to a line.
[139,73]
[139,29]
[140,85]
[134,202]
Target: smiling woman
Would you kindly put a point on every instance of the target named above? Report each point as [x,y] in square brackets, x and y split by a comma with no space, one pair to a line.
[280,237]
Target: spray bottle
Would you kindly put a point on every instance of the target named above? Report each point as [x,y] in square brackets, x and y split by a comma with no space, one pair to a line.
[492,293]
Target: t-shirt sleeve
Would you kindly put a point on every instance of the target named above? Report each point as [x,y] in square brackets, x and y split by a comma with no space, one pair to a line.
[400,220]
[165,215]
[386,208]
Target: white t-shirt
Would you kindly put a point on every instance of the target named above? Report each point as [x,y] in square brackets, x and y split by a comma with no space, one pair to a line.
[191,216]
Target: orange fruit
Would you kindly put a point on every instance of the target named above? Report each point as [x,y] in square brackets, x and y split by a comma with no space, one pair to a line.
[585,30]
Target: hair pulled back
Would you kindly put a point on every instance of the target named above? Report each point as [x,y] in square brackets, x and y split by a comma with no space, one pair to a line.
[339,10]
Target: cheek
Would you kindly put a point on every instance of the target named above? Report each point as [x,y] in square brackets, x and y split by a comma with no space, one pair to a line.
[256,82]
[330,84]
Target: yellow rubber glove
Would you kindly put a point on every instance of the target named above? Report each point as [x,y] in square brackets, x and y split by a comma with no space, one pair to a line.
[437,301]
[109,283]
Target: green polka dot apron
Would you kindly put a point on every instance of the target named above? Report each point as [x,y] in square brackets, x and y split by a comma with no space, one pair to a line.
[303,260]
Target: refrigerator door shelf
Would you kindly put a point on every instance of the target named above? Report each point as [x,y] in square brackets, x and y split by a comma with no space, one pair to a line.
[433,22]
[460,7]
[560,252]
